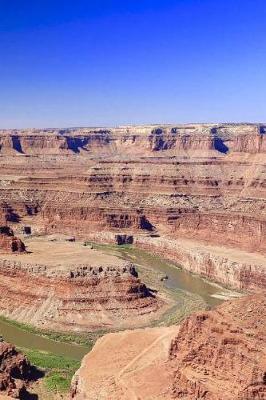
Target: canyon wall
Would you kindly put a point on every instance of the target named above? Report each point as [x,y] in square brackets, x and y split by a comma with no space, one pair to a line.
[201,182]
[233,269]
[215,355]
[220,355]
[248,138]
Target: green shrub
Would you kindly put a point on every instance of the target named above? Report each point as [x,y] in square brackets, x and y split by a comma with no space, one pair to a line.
[55,382]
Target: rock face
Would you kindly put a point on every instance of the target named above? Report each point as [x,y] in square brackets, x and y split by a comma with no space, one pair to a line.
[242,138]
[8,242]
[15,371]
[215,355]
[199,182]
[231,267]
[82,301]
[221,355]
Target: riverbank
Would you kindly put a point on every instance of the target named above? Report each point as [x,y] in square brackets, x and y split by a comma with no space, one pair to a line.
[55,374]
[188,293]
[58,354]
[81,339]
[154,268]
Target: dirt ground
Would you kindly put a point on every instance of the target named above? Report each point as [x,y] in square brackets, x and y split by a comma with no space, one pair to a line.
[55,251]
[132,358]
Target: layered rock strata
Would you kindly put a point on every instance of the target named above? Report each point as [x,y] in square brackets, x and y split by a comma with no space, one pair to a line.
[242,138]
[236,269]
[76,297]
[215,355]
[233,268]
[221,354]
[201,182]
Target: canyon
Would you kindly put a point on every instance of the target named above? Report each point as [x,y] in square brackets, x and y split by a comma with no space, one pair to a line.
[202,183]
[192,194]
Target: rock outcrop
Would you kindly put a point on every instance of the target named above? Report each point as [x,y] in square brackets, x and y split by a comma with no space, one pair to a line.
[15,371]
[215,355]
[60,292]
[10,243]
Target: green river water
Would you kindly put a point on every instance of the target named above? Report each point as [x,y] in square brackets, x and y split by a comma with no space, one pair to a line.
[178,281]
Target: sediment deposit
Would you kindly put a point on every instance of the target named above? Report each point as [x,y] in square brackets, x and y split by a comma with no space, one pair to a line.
[215,355]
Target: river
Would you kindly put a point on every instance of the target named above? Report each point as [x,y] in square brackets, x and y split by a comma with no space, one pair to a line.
[178,280]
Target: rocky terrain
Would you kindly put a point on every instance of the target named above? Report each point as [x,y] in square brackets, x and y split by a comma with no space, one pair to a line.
[194,194]
[215,355]
[200,182]
[15,372]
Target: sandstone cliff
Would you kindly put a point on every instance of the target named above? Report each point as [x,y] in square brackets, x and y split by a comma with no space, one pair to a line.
[248,138]
[233,268]
[215,355]
[221,355]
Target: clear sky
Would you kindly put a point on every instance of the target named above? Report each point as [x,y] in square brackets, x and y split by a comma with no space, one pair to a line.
[94,63]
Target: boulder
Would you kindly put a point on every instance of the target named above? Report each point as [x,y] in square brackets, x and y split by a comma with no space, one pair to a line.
[15,371]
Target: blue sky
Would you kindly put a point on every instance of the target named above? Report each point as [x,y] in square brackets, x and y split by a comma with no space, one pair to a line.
[95,63]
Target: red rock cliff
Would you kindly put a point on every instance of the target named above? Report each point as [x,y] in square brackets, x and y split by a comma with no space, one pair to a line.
[215,355]
[221,355]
